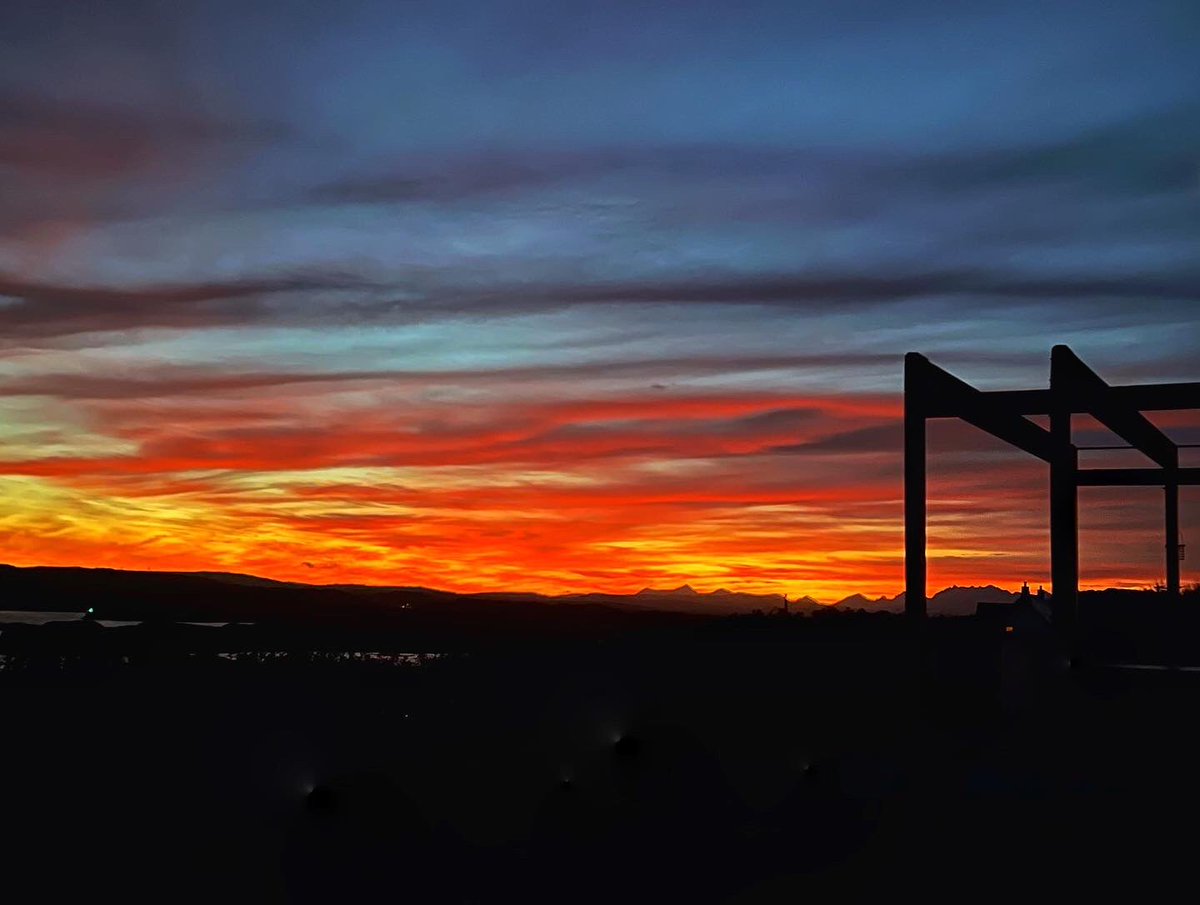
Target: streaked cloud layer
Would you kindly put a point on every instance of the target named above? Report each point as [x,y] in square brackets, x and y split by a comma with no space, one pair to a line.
[572,296]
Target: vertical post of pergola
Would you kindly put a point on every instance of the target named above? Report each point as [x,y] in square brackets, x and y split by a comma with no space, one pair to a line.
[1064,534]
[1172,531]
[1064,496]
[914,489]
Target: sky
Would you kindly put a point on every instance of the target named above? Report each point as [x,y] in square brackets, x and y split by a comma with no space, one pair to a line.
[567,296]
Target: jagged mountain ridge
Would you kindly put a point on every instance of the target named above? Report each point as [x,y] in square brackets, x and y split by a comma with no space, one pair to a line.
[952,601]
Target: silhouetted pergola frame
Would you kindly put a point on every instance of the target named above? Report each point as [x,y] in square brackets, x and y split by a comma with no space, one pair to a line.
[931,392]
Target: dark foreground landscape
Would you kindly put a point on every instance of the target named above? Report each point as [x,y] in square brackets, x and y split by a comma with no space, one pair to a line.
[596,755]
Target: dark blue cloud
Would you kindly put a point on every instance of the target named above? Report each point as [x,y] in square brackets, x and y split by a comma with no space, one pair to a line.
[908,163]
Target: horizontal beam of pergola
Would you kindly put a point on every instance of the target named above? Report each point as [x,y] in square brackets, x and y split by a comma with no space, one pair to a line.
[1085,386]
[1138,477]
[1159,397]
[930,388]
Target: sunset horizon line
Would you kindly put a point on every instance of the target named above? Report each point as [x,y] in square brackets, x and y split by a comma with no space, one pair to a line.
[698,587]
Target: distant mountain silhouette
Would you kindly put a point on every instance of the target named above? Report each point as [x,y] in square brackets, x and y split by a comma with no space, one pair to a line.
[219,596]
[956,601]
[684,589]
[686,599]
[127,594]
[953,601]
[806,604]
[860,602]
